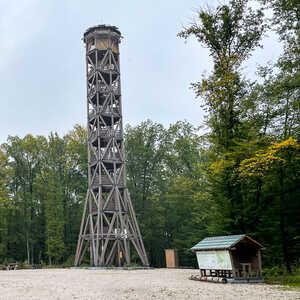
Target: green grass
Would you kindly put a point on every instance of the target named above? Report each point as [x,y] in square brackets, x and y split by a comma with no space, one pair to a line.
[280,276]
[288,280]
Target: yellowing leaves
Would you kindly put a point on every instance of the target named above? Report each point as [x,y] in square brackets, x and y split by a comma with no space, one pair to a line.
[263,162]
[218,167]
[290,142]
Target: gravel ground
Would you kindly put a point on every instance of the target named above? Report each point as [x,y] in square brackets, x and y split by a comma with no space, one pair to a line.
[121,284]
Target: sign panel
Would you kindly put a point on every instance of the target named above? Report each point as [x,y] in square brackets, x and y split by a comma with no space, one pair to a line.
[218,260]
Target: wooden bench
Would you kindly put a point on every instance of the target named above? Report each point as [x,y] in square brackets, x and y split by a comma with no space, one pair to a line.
[12,267]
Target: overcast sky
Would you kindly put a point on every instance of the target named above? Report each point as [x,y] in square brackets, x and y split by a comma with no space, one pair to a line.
[42,71]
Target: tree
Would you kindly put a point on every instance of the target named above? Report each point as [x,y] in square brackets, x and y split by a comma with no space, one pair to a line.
[145,151]
[6,205]
[54,217]
[286,16]
[163,178]
[26,157]
[144,146]
[76,184]
[284,84]
[278,170]
[230,32]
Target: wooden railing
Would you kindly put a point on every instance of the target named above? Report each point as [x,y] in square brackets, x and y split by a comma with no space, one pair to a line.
[106,134]
[105,180]
[104,89]
[112,156]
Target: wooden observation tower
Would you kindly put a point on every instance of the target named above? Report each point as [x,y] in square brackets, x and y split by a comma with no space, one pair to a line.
[109,228]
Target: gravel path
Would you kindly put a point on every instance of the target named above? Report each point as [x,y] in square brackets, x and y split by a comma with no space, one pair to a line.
[121,284]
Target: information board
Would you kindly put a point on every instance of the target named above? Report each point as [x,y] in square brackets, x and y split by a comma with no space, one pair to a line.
[218,260]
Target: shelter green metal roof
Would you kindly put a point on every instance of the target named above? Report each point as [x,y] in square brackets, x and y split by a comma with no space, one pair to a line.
[218,242]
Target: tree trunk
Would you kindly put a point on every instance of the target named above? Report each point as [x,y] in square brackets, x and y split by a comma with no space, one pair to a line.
[283,232]
[28,250]
[284,243]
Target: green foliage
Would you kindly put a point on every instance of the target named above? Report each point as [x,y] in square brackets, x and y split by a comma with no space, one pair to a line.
[54,214]
[279,275]
[252,170]
[230,32]
[6,204]
[163,173]
[70,261]
[243,176]
[286,16]
[42,186]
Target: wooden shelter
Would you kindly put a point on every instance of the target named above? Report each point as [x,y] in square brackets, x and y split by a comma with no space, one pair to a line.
[229,258]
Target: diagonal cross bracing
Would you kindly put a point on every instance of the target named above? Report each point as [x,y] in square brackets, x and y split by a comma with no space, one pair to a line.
[109,230]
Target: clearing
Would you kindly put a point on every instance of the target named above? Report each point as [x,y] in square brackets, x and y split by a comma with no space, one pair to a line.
[121,284]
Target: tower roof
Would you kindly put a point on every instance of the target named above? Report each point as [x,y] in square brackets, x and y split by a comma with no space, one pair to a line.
[102,27]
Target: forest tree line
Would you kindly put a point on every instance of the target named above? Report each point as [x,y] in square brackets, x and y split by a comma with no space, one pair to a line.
[241,176]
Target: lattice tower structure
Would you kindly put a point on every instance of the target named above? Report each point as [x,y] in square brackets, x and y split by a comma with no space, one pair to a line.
[109,229]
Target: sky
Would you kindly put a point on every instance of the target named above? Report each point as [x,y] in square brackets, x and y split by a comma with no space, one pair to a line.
[42,62]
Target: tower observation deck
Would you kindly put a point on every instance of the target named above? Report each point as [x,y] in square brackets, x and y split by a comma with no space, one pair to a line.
[109,230]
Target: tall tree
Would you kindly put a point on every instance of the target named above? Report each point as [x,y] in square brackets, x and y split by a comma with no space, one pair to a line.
[6,205]
[145,153]
[76,185]
[54,176]
[276,116]
[163,178]
[231,33]
[25,159]
[278,170]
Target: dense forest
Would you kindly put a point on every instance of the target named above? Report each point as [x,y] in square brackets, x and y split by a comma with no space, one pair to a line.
[241,176]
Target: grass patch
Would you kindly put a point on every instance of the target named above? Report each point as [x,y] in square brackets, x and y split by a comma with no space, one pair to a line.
[289,280]
[280,276]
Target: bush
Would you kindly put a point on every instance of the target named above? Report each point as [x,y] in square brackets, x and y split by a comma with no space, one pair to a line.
[53,266]
[279,275]
[25,266]
[273,272]
[69,262]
